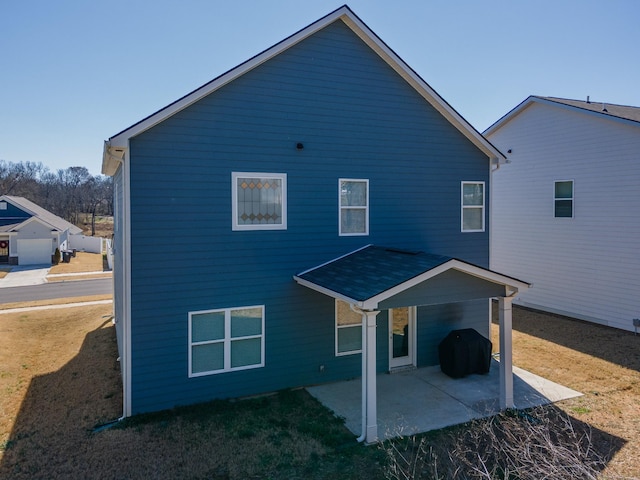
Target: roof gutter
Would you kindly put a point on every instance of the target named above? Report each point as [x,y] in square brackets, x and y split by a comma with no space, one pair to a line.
[112,158]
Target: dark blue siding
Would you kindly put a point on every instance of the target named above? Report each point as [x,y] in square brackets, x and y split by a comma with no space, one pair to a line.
[357,119]
[13,215]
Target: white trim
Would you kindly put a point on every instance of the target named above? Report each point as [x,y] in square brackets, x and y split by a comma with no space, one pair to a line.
[36,219]
[359,28]
[511,285]
[234,199]
[126,285]
[356,207]
[227,341]
[472,207]
[573,196]
[527,102]
[412,334]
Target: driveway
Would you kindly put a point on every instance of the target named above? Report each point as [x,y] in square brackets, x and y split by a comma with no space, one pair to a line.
[22,276]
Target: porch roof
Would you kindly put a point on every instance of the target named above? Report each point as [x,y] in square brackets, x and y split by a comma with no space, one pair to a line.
[374,274]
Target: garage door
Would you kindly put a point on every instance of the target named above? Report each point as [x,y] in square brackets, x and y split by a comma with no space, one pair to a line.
[34,252]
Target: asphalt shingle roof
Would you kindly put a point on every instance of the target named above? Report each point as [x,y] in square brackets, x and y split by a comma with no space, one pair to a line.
[44,215]
[371,270]
[621,111]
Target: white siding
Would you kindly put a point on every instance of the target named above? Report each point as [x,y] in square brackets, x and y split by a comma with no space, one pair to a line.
[587,266]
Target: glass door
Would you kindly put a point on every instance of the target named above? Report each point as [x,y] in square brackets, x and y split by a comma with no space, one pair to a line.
[401,337]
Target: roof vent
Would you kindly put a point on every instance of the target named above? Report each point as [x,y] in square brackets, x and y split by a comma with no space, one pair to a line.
[604,107]
[588,99]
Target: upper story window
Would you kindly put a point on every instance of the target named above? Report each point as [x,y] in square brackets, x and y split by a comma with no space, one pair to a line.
[3,205]
[472,207]
[259,201]
[563,199]
[225,340]
[354,206]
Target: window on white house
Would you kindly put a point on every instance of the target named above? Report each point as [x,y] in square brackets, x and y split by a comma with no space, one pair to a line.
[259,201]
[354,206]
[348,330]
[472,207]
[226,340]
[563,199]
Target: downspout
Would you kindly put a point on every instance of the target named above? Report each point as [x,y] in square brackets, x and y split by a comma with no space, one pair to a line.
[363,436]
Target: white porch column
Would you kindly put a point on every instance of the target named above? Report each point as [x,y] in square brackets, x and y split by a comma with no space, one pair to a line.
[506,354]
[369,377]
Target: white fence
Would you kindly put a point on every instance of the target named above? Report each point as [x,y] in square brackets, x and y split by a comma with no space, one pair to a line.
[109,254]
[82,243]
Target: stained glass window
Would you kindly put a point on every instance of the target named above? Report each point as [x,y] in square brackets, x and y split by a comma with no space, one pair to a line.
[259,201]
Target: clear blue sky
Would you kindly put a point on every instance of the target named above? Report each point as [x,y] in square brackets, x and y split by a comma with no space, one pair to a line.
[75,72]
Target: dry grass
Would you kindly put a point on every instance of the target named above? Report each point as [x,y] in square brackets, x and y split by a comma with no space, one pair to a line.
[601,362]
[83,262]
[59,378]
[104,226]
[55,301]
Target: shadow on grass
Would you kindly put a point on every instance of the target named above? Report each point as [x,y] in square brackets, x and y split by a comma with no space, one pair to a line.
[542,442]
[286,435]
[607,343]
[51,430]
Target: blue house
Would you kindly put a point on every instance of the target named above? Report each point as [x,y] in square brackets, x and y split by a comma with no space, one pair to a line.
[317,213]
[29,234]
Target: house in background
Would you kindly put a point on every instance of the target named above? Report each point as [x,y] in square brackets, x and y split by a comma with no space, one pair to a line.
[317,213]
[29,234]
[565,210]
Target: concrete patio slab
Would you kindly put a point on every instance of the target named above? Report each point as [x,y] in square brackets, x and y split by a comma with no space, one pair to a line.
[425,399]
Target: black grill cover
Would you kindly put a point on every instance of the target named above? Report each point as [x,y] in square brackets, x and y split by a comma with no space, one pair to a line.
[464,352]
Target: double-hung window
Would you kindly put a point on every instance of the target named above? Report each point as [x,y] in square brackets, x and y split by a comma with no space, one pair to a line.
[259,201]
[225,340]
[563,199]
[472,207]
[348,330]
[354,206]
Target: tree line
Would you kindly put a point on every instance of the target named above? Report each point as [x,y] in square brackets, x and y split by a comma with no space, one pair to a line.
[69,193]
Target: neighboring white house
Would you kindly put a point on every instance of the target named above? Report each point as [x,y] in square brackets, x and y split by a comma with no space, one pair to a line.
[565,209]
[29,234]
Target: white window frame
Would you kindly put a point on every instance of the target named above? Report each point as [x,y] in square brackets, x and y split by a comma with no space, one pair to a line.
[227,340]
[573,196]
[3,205]
[340,327]
[463,207]
[342,208]
[234,201]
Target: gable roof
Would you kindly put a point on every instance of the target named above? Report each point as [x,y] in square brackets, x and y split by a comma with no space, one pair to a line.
[624,113]
[372,274]
[114,148]
[41,214]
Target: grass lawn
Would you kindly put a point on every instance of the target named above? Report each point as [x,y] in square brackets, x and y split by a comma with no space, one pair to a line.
[59,379]
[82,262]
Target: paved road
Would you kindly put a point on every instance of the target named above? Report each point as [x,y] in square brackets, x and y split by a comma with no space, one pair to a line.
[47,291]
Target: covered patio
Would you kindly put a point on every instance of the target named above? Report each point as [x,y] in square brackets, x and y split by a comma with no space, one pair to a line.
[374,279]
[424,399]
